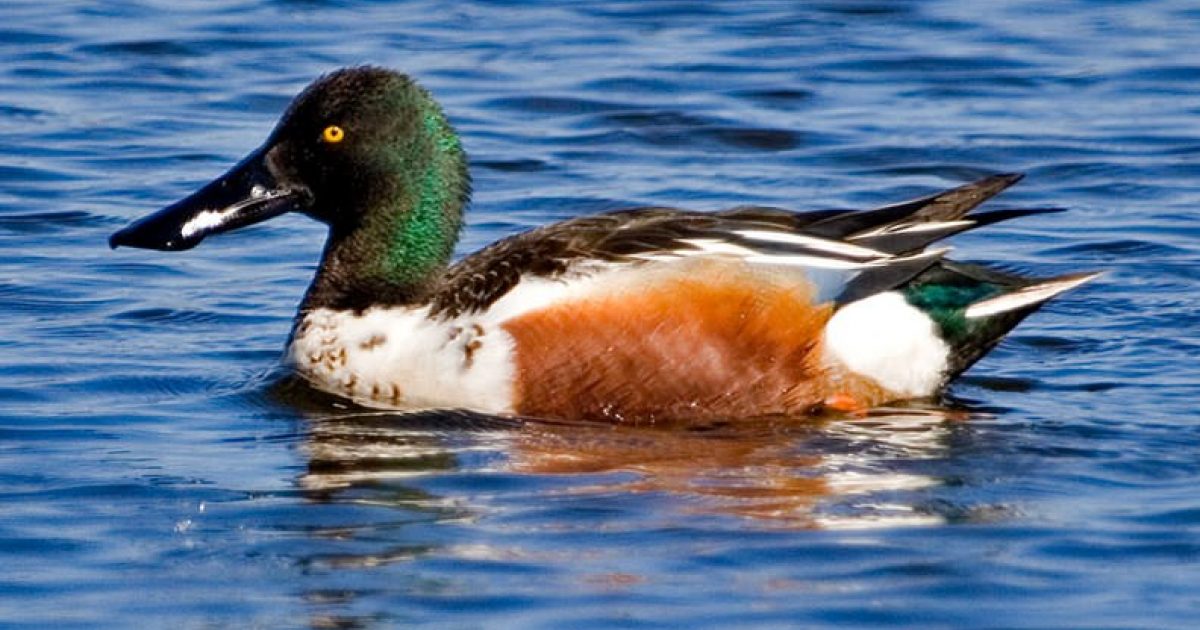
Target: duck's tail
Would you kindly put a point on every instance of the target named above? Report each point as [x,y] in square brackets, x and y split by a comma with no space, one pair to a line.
[905,316]
[974,306]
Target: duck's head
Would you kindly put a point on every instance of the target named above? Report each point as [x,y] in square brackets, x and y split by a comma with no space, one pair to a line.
[359,146]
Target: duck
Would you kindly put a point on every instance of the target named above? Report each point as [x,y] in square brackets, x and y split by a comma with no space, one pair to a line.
[637,315]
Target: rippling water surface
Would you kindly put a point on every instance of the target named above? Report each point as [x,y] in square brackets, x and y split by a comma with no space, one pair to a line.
[157,469]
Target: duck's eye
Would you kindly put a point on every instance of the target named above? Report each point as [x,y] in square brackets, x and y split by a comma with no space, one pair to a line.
[333,134]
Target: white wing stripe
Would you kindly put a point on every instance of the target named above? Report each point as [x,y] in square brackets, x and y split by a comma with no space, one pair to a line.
[910,228]
[716,246]
[806,261]
[812,242]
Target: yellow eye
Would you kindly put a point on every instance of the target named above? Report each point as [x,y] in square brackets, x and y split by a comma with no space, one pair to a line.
[333,134]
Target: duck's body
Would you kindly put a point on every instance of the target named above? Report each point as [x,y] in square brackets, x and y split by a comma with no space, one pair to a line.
[698,338]
[635,315]
[706,330]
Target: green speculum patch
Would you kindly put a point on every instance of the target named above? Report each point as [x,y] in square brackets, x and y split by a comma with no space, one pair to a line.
[947,303]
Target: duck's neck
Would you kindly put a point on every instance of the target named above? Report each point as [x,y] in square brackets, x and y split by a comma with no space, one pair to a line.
[412,203]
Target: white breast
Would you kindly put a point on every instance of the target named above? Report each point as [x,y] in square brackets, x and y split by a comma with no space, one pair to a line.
[397,357]
[890,341]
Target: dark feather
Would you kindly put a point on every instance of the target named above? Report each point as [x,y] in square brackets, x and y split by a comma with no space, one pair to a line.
[900,243]
[627,235]
[884,277]
[949,205]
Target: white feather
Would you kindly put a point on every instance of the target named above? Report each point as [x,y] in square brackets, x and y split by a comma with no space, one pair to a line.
[714,246]
[834,247]
[1025,296]
[805,261]
[910,228]
[398,357]
[888,340]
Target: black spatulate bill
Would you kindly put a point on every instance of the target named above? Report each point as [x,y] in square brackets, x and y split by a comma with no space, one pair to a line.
[247,194]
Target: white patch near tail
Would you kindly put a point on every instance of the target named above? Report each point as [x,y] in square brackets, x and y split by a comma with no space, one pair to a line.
[1026,296]
[888,340]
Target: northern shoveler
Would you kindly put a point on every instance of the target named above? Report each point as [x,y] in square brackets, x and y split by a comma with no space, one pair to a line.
[633,315]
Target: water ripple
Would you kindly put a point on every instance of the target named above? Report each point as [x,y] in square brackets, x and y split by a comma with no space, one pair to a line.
[160,467]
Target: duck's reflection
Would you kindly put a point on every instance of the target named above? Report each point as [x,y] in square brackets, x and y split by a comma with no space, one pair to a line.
[790,473]
[436,470]
[786,473]
[364,448]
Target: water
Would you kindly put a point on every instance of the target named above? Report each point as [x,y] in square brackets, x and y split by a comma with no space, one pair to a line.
[157,469]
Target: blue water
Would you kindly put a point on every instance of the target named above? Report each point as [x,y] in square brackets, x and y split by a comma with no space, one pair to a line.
[158,469]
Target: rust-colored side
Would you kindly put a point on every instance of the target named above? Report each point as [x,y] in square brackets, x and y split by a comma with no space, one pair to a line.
[721,342]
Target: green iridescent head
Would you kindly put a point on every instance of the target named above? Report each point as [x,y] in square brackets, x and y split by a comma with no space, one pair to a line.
[364,150]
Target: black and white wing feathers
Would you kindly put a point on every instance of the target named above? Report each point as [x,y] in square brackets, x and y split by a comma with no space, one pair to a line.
[880,248]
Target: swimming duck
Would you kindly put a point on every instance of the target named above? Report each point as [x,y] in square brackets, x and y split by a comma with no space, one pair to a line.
[636,315]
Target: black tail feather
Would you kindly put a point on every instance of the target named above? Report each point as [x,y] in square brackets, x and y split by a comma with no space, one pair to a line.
[909,241]
[949,205]
[977,306]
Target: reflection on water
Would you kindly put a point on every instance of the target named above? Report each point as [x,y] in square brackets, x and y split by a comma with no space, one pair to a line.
[497,477]
[360,449]
[149,478]
[785,473]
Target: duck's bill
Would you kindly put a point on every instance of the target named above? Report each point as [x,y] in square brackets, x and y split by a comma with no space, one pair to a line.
[249,193]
